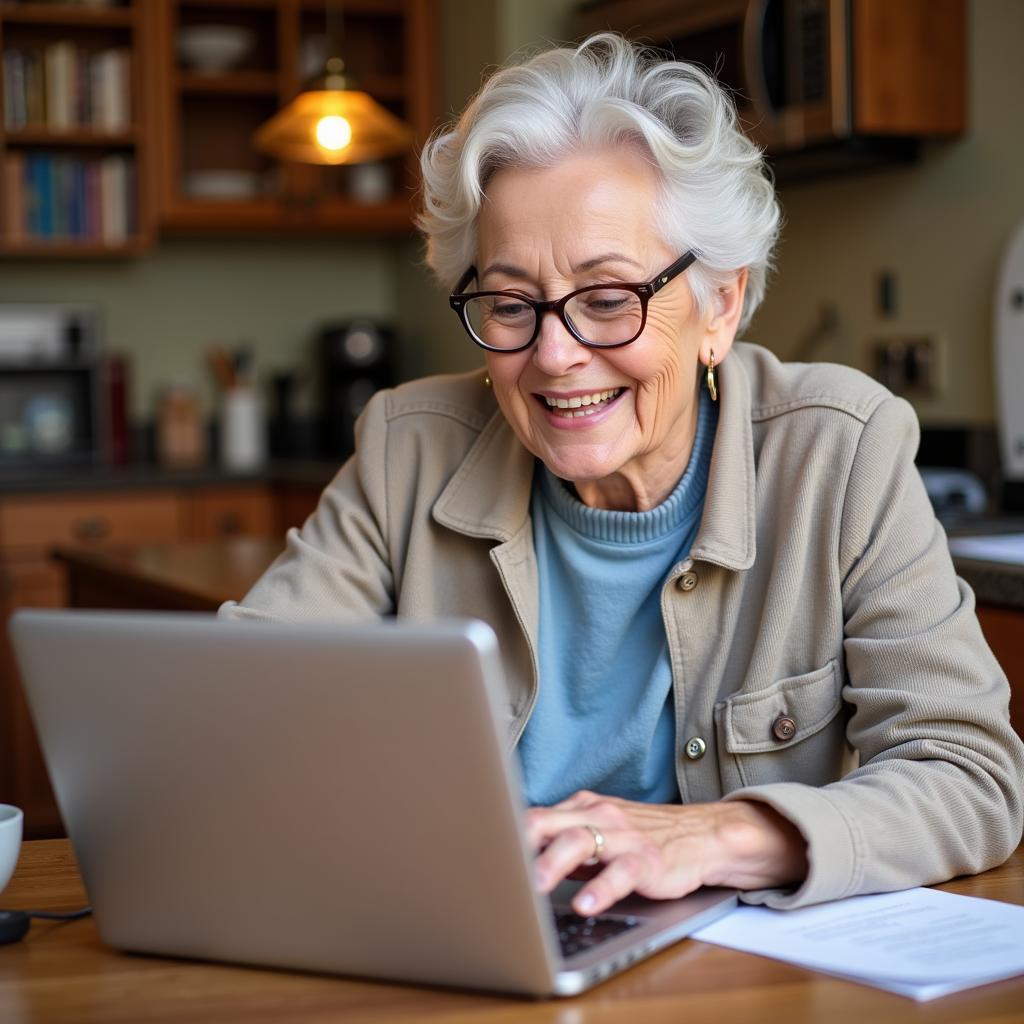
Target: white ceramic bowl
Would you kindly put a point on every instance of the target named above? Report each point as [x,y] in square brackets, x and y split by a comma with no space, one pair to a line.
[214,47]
[221,184]
[10,841]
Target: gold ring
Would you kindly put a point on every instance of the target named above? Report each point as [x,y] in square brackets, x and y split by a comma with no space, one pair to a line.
[595,857]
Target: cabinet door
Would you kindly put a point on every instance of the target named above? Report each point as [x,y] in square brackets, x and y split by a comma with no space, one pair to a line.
[30,526]
[36,523]
[295,503]
[238,511]
[214,181]
[1003,629]
[24,781]
[910,67]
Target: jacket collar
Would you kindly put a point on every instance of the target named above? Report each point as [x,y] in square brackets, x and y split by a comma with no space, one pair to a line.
[727,528]
[489,495]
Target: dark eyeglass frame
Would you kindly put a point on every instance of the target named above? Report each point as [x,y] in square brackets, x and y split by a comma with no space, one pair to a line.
[458,299]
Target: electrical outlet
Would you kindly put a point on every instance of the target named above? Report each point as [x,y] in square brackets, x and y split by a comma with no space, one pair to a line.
[908,365]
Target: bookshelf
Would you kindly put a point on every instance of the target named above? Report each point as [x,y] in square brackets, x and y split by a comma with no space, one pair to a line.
[209,116]
[109,133]
[74,157]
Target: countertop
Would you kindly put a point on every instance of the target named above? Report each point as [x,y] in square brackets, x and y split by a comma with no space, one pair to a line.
[186,576]
[993,582]
[89,477]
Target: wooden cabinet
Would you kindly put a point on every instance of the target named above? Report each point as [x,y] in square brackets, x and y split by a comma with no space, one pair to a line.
[76,150]
[88,176]
[233,511]
[295,503]
[1004,631]
[822,85]
[208,117]
[31,526]
[34,524]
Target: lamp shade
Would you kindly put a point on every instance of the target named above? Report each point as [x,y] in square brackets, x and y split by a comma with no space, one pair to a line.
[333,126]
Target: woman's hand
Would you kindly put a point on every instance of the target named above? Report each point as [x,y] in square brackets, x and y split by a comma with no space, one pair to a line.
[663,851]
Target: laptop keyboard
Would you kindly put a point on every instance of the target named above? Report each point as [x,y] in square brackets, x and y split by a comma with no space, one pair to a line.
[576,934]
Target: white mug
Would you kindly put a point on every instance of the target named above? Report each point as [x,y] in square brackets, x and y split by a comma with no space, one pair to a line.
[10,841]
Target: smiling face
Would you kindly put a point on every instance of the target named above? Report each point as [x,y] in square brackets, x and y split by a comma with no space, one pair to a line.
[618,423]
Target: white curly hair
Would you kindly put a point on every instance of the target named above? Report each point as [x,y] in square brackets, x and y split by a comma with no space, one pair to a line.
[716,197]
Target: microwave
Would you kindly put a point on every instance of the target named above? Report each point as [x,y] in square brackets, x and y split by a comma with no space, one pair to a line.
[869,75]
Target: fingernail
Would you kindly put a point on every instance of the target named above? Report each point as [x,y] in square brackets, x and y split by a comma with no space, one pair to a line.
[585,902]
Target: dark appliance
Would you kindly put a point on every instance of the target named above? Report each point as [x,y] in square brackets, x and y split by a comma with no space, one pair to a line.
[49,380]
[355,360]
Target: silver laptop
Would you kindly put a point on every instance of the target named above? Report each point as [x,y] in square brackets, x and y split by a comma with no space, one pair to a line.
[316,797]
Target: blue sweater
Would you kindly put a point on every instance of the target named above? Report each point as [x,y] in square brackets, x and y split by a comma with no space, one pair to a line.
[604,718]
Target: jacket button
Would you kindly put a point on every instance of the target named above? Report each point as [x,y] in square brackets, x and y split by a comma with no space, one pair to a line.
[784,728]
[687,581]
[695,748]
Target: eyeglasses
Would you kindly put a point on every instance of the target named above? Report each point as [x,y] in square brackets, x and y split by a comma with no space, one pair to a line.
[598,316]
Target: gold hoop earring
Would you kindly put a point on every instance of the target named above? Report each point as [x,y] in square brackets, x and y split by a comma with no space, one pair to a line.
[712,384]
[487,380]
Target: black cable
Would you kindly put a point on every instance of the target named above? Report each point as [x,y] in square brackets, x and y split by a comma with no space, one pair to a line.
[50,915]
[14,923]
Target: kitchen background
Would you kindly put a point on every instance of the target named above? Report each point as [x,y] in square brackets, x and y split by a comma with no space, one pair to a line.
[892,268]
[939,225]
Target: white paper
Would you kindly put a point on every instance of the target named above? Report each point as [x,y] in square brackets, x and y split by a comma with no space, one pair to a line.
[920,943]
[1003,547]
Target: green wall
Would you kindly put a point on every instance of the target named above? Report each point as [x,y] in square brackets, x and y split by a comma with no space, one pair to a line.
[165,309]
[939,225]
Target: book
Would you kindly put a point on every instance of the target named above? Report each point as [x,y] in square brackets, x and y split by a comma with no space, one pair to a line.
[60,183]
[38,213]
[81,93]
[35,88]
[59,63]
[129,205]
[14,197]
[110,99]
[15,112]
[113,200]
[79,201]
[93,201]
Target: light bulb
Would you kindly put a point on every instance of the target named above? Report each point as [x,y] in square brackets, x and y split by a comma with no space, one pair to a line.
[333,132]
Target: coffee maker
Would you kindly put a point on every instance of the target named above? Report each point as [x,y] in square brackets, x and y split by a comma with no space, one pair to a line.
[355,360]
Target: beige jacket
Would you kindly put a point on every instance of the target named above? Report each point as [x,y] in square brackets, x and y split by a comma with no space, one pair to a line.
[819,589]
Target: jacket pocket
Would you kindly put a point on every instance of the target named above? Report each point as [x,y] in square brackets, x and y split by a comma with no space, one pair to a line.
[791,731]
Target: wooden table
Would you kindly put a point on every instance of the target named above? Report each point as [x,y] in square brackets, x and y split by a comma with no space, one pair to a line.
[183,576]
[202,575]
[61,974]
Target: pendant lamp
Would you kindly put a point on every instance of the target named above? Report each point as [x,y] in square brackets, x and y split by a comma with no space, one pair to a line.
[332,121]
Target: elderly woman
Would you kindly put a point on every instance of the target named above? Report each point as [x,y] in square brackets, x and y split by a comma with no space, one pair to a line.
[736,650]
